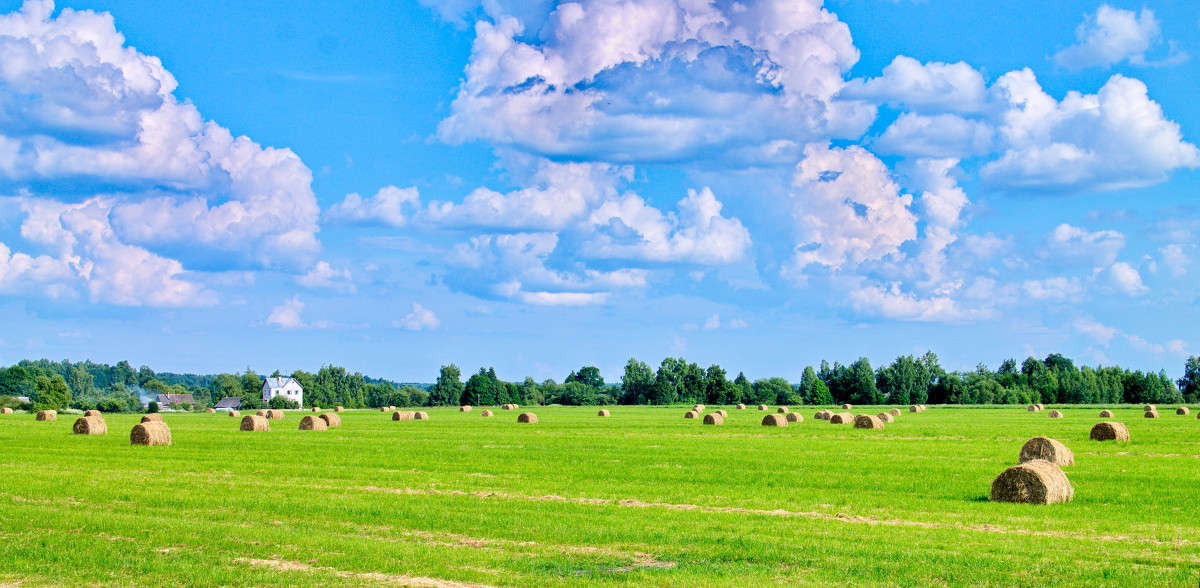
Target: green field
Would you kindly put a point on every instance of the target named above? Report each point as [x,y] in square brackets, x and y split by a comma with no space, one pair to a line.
[643,498]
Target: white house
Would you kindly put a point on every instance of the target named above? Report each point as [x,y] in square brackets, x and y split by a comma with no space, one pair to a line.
[286,387]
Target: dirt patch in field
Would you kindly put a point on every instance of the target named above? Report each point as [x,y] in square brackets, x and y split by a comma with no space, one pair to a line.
[383,579]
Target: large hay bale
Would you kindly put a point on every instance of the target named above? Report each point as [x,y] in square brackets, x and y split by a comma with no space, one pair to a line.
[93,425]
[509,407]
[92,413]
[420,416]
[698,408]
[1106,414]
[823,415]
[602,413]
[6,410]
[47,415]
[527,417]
[211,411]
[276,413]
[895,412]
[741,406]
[1054,414]
[152,418]
[465,408]
[1032,408]
[1033,482]
[381,409]
[403,415]
[1151,414]
[914,408]
[783,410]
[841,418]
[253,422]
[1109,431]
[1047,449]
[316,409]
[234,413]
[847,406]
[714,419]
[1150,408]
[774,420]
[150,433]
[1183,410]
[486,413]
[263,413]
[794,417]
[925,408]
[1039,406]
[886,417]
[762,407]
[867,421]
[724,413]
[691,414]
[331,419]
[313,423]
[338,409]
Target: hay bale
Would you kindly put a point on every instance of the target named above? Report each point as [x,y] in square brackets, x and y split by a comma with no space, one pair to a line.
[794,417]
[1054,414]
[1106,414]
[6,410]
[1109,431]
[313,423]
[92,413]
[762,407]
[420,416]
[338,409]
[234,413]
[741,406]
[895,412]
[150,433]
[152,418]
[841,418]
[465,408]
[331,419]
[316,409]
[275,413]
[1183,410]
[822,415]
[93,425]
[867,421]
[1039,406]
[698,408]
[1032,408]
[1150,408]
[603,413]
[847,406]
[486,413]
[381,409]
[1151,414]
[914,408]
[403,415]
[527,417]
[691,414]
[253,422]
[509,407]
[714,419]
[783,410]
[263,413]
[886,417]
[1047,449]
[211,411]
[724,413]
[1033,482]
[774,420]
[925,408]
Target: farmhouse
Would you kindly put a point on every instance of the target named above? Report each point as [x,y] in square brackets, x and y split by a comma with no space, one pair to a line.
[169,399]
[229,403]
[287,387]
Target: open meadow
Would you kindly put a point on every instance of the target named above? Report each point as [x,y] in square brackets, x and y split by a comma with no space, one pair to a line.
[643,497]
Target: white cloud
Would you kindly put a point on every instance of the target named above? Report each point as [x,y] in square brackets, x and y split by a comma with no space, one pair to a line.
[927,88]
[420,318]
[630,229]
[941,204]
[1113,35]
[1175,257]
[324,275]
[1121,278]
[1068,245]
[940,135]
[288,314]
[891,302]
[390,206]
[1101,333]
[714,322]
[1055,289]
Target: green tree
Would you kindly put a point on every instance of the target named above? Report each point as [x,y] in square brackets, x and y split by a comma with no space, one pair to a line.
[282,402]
[743,390]
[448,389]
[1189,384]
[81,382]
[813,391]
[252,385]
[52,393]
[860,383]
[637,385]
[587,375]
[144,374]
[774,391]
[717,388]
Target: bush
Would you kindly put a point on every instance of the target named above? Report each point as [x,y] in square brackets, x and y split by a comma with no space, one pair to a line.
[282,402]
[152,407]
[252,403]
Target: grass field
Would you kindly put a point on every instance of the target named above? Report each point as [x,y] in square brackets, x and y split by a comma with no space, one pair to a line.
[643,498]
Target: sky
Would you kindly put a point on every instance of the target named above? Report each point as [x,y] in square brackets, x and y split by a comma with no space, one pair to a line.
[537,186]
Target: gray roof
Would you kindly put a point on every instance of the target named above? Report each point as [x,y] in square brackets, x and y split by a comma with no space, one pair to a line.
[278,382]
[175,399]
[229,402]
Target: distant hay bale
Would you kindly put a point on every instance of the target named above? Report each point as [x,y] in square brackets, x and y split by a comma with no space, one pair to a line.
[92,413]
[741,406]
[724,413]
[509,406]
[867,421]
[847,406]
[1150,408]
[152,418]
[762,407]
[1039,406]
[275,413]
[1033,482]
[1109,431]
[331,419]
[691,414]
[420,416]
[338,409]
[6,410]
[1183,410]
[253,422]
[313,423]
[774,420]
[150,433]
[381,409]
[1047,449]
[914,408]
[1032,408]
[486,413]
[93,425]
[714,419]
[465,408]
[822,415]
[794,417]
[234,413]
[698,408]
[602,413]
[886,417]
[527,417]
[925,408]
[841,418]
[1151,414]
[316,409]
[1054,414]
[783,410]
[211,411]
[403,415]
[895,412]
[263,413]
[1106,414]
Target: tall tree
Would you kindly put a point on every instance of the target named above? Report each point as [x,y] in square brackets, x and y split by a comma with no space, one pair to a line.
[53,392]
[1189,384]
[448,389]
[637,385]
[861,383]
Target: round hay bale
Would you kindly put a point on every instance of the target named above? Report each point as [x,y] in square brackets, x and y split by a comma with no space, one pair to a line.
[315,409]
[338,409]
[211,411]
[486,413]
[714,419]
[403,415]
[1150,408]
[886,417]
[762,407]
[276,414]
[1047,449]
[1151,414]
[331,419]
[783,410]
[6,410]
[90,426]
[381,409]
[253,422]
[1054,414]
[914,408]
[234,413]
[867,421]
[420,416]
[92,413]
[895,412]
[847,406]
[822,415]
[1033,482]
[1032,408]
[465,408]
[724,413]
[150,433]
[263,413]
[925,408]
[794,417]
[1109,431]
[698,408]
[509,407]
[1106,414]
[1039,406]
[774,420]
[691,414]
[313,423]
[741,406]
[1183,410]
[152,418]
[527,417]
[841,418]
[603,413]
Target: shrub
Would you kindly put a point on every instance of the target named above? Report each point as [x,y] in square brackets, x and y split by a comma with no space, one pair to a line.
[152,407]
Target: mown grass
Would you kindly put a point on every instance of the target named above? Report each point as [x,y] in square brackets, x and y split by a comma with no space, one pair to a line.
[643,497]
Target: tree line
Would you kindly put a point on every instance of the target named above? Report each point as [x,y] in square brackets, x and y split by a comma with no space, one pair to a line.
[907,380]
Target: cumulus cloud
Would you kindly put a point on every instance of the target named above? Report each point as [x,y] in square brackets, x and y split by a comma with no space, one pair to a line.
[938,136]
[1113,35]
[287,315]
[714,323]
[924,88]
[390,207]
[1068,245]
[420,318]
[630,229]
[1121,278]
[1054,289]
[892,302]
[324,275]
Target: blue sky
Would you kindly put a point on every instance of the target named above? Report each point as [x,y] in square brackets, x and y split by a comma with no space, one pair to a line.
[538,186]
